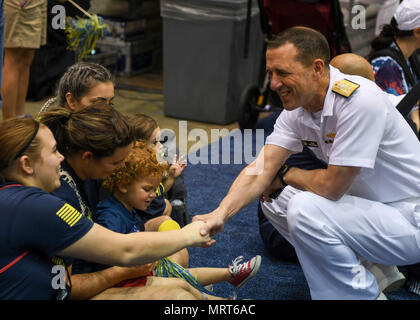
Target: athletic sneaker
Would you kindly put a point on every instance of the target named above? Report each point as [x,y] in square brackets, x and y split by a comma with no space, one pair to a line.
[243,272]
[413,286]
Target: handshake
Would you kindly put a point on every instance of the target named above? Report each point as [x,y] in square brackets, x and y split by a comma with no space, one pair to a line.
[204,226]
[197,234]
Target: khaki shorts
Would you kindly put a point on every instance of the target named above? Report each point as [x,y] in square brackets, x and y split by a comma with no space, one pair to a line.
[25,27]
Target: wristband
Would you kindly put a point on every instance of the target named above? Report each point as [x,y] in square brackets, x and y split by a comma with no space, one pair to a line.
[282,172]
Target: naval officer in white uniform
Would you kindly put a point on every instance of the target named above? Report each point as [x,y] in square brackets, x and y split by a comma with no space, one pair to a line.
[366,204]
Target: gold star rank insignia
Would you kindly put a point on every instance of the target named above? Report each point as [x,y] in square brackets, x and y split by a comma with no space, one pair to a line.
[345,87]
[330,137]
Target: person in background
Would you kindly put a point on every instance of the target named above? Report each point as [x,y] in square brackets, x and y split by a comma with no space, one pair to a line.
[392,56]
[172,186]
[83,83]
[25,30]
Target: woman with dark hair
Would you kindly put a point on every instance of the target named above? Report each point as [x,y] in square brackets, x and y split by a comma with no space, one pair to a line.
[95,140]
[82,84]
[392,51]
[37,229]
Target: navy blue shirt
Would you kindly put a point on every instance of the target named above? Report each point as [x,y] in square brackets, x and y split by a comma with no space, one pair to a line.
[33,221]
[81,195]
[113,215]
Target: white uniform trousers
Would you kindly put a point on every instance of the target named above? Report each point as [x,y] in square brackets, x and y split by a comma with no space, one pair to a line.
[330,237]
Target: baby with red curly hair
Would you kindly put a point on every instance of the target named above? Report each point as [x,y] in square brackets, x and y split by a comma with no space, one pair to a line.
[133,187]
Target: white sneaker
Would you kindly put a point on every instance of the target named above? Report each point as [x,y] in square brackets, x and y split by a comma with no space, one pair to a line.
[413,286]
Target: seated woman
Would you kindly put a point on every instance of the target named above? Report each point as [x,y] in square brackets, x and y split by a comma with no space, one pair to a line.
[133,187]
[29,170]
[95,140]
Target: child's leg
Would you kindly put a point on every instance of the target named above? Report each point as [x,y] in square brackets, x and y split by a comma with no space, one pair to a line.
[180,283]
[153,224]
[237,274]
[157,224]
[206,276]
[181,257]
[168,208]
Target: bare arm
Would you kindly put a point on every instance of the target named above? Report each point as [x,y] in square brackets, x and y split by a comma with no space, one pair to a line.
[175,170]
[249,184]
[331,183]
[168,183]
[107,247]
[87,285]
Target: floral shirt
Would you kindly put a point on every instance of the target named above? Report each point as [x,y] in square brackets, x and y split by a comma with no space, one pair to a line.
[389,75]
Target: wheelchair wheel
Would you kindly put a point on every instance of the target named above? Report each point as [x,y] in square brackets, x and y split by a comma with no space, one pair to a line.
[248,114]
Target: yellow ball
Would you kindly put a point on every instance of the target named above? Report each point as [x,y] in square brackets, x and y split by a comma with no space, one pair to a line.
[169,225]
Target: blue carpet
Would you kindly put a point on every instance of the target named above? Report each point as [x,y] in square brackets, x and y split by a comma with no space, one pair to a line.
[207,184]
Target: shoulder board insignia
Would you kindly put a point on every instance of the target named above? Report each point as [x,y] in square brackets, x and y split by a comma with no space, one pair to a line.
[345,87]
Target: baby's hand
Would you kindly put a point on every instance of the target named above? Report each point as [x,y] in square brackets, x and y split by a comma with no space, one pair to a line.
[195,237]
[177,166]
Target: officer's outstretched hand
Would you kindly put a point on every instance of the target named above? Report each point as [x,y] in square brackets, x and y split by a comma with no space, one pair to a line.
[214,223]
[195,235]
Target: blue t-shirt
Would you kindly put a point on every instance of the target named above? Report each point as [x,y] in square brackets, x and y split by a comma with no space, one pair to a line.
[113,215]
[33,221]
[82,196]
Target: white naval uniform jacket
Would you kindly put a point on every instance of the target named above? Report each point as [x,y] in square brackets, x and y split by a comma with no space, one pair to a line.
[364,130]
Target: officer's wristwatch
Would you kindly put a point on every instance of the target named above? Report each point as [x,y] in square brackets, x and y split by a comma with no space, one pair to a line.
[282,172]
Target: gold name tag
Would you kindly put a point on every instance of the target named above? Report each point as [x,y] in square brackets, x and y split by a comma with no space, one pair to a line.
[311,144]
